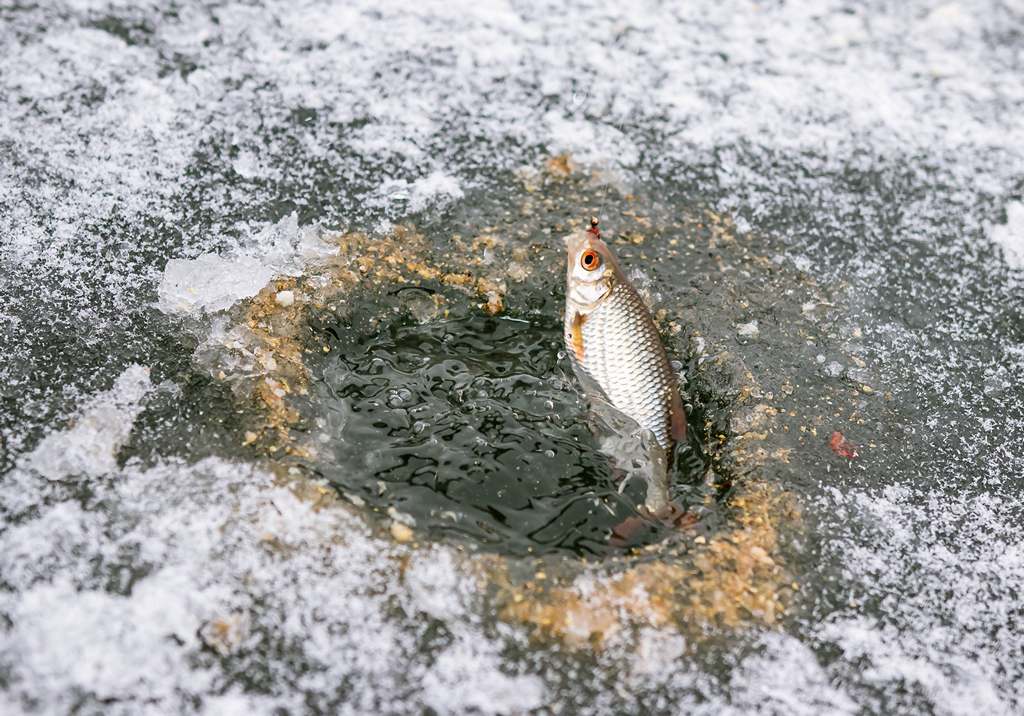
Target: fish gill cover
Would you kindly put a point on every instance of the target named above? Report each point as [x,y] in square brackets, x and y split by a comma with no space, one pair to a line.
[213,216]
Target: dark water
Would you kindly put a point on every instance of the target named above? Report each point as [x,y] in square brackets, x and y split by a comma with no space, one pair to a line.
[475,428]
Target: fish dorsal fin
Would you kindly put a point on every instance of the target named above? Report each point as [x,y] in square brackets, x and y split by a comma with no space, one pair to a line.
[576,335]
[677,413]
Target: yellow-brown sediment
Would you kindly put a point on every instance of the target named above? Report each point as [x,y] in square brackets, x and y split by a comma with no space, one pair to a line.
[740,576]
[480,268]
[276,327]
[559,166]
[736,578]
[729,579]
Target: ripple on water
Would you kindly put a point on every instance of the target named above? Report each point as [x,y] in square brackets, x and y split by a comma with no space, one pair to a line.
[474,428]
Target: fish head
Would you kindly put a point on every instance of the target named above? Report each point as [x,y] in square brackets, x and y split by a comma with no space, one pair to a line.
[591,269]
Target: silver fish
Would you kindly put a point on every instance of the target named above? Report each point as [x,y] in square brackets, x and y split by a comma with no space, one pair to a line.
[617,352]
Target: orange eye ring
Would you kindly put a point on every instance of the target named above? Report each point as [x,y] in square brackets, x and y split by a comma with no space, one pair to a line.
[590,260]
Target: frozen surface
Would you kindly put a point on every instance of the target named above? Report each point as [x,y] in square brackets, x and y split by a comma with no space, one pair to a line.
[210,283]
[156,165]
[1010,236]
[88,448]
[115,605]
[945,637]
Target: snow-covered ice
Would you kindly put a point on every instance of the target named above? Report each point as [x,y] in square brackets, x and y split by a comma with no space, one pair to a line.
[89,447]
[1010,236]
[160,162]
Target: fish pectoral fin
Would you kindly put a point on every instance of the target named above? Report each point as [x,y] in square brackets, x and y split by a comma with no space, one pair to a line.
[677,413]
[576,335]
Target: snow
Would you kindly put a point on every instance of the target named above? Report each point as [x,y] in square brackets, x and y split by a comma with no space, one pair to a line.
[959,644]
[805,688]
[1010,236]
[464,679]
[181,160]
[436,190]
[89,448]
[209,541]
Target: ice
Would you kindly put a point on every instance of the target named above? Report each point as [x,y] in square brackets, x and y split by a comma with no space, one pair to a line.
[285,247]
[210,283]
[247,165]
[89,448]
[806,689]
[748,330]
[947,652]
[833,369]
[594,144]
[216,542]
[657,653]
[466,678]
[438,189]
[191,156]
[209,557]
[1010,236]
[113,646]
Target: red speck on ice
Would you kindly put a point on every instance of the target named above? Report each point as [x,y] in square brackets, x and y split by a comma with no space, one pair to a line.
[841,446]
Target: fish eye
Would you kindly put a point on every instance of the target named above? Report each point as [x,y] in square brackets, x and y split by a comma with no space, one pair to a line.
[590,260]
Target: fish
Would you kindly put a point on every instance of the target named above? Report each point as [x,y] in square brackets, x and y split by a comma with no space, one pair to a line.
[617,353]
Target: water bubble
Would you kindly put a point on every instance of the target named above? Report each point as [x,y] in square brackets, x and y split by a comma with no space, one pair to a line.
[398,397]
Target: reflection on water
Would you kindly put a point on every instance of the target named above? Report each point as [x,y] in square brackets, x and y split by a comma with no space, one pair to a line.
[474,427]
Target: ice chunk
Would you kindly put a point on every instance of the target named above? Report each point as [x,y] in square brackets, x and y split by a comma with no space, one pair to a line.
[287,248]
[90,446]
[210,283]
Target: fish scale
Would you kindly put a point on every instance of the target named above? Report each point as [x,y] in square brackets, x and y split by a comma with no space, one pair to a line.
[622,352]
